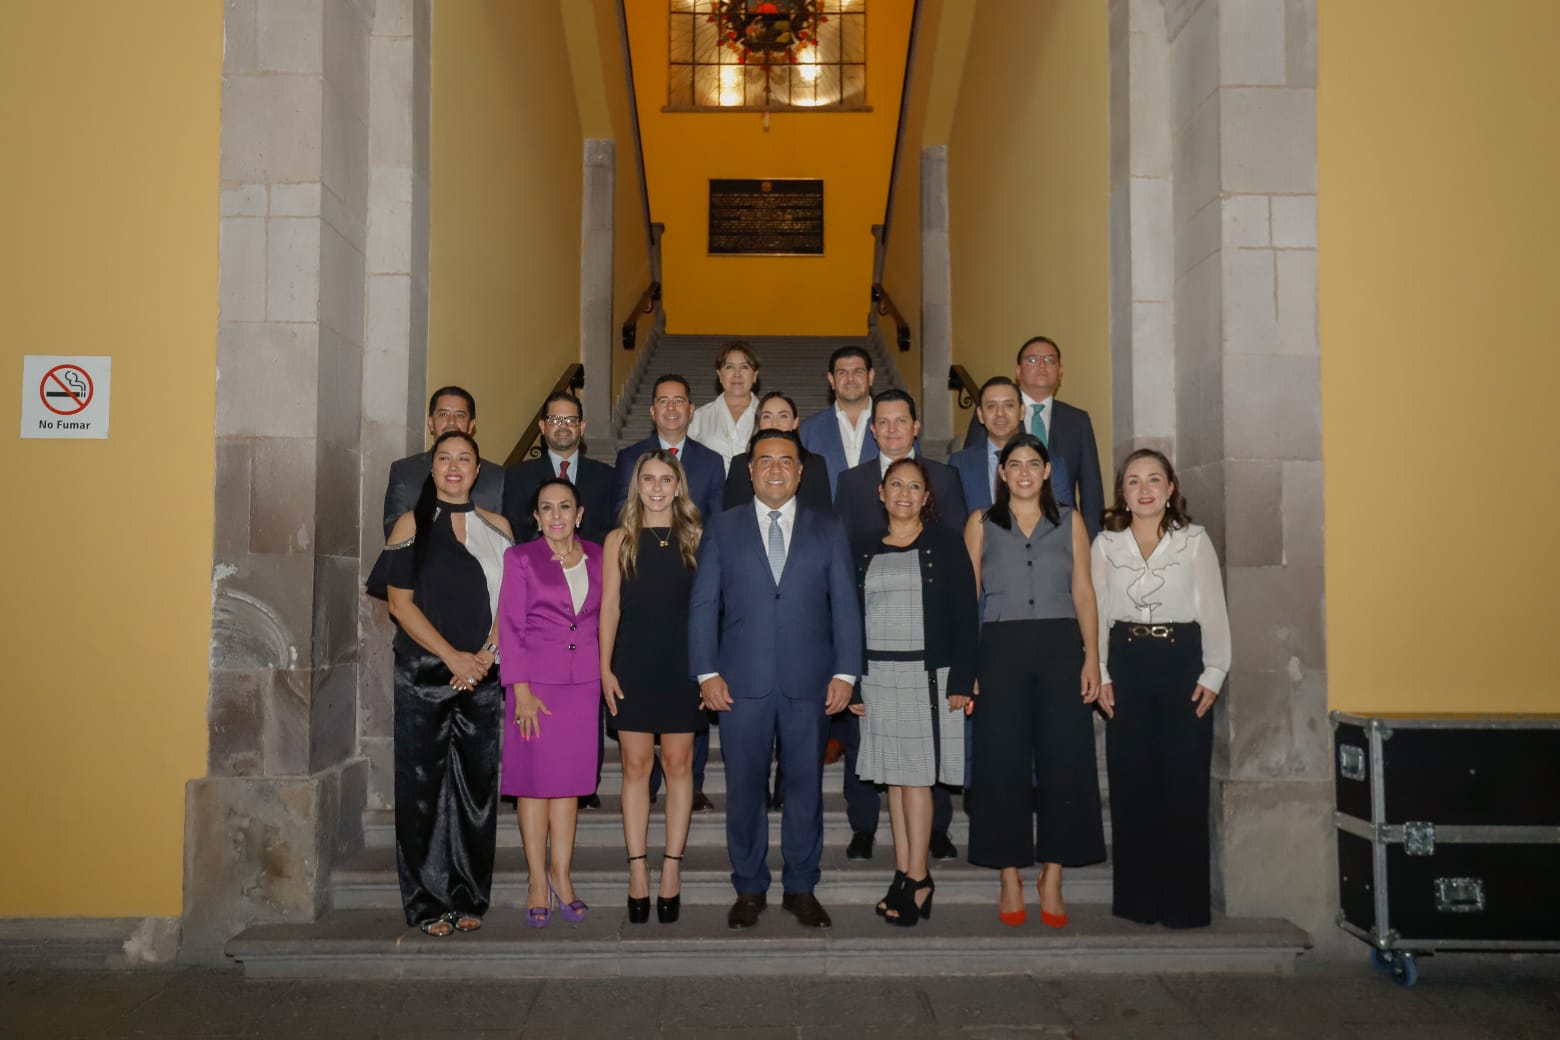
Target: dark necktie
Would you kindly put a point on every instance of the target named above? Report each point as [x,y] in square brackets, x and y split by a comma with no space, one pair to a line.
[563,470]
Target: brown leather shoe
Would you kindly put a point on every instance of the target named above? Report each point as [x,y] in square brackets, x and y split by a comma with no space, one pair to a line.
[807,909]
[744,912]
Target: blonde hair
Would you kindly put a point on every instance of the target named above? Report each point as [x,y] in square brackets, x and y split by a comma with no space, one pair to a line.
[685,516]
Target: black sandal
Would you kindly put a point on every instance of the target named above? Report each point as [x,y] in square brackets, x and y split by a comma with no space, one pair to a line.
[906,910]
[901,879]
[438,927]
[638,906]
[667,910]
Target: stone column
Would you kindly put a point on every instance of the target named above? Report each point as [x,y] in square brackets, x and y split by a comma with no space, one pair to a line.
[285,790]
[1248,430]
[596,286]
[936,301]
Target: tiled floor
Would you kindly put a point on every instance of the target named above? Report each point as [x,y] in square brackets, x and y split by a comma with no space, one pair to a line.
[1458,998]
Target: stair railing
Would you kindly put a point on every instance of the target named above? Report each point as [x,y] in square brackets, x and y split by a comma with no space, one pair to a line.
[526,447]
[961,382]
[883,305]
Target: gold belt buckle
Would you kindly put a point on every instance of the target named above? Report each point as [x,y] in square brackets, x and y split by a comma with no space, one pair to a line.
[1152,631]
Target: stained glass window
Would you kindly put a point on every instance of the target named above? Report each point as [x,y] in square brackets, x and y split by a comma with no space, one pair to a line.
[767,54]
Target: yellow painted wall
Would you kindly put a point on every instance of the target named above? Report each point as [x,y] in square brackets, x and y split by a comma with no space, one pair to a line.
[1439,260]
[108,196]
[850,151]
[1028,173]
[504,210]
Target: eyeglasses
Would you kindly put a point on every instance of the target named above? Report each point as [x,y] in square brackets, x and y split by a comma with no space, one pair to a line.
[562,420]
[1048,360]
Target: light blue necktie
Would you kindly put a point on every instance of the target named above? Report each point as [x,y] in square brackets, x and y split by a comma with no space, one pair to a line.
[1037,425]
[776,546]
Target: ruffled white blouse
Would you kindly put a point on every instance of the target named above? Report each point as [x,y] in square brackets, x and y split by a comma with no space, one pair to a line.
[713,427]
[1178,583]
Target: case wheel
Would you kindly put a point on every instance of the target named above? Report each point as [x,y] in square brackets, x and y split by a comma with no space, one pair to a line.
[1400,964]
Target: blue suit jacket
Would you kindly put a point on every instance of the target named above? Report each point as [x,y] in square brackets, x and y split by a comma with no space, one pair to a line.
[765,639]
[970,465]
[706,474]
[821,436]
[1075,462]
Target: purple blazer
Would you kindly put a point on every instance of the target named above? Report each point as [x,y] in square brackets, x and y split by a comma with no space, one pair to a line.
[540,638]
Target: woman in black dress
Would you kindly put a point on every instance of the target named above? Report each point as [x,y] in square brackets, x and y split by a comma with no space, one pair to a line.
[647,577]
[440,572]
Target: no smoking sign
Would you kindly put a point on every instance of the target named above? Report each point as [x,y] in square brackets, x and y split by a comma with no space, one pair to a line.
[65,397]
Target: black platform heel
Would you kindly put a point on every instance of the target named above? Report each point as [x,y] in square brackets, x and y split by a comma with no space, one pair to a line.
[638,908]
[901,879]
[667,910]
[906,911]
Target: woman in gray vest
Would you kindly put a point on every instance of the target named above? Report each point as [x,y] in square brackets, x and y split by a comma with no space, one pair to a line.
[1034,788]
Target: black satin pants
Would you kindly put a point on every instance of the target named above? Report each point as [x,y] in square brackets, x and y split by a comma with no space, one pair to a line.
[446,788]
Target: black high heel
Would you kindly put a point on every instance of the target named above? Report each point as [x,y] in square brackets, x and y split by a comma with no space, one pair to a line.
[638,907]
[667,910]
[907,912]
[901,879]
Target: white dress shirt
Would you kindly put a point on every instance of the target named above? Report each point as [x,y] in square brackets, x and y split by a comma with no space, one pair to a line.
[713,427]
[853,435]
[668,446]
[787,522]
[1179,582]
[884,462]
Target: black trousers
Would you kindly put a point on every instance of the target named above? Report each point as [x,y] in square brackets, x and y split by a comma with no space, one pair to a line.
[446,789]
[1035,788]
[1157,753]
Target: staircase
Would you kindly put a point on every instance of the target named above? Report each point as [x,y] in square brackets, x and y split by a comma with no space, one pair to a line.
[794,365]
[365,935]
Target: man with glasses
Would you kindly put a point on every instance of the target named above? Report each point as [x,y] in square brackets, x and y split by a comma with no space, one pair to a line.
[563,432]
[449,408]
[1067,432]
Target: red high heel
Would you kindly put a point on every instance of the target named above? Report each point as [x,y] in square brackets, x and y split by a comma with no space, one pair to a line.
[1014,918]
[1046,917]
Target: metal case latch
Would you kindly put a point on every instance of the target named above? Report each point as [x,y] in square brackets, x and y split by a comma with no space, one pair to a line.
[1419,838]
[1351,762]
[1459,895]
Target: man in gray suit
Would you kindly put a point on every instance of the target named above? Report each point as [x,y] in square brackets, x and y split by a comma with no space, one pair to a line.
[450,408]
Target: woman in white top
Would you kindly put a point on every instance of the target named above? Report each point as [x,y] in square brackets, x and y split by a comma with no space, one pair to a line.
[1164,652]
[725,424]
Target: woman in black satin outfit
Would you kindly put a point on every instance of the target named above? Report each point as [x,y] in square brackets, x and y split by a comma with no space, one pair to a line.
[440,572]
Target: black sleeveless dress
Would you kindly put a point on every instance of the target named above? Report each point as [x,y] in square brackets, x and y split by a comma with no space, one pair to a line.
[650,655]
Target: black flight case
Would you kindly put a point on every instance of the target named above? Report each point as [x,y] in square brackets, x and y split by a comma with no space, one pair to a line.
[1448,833]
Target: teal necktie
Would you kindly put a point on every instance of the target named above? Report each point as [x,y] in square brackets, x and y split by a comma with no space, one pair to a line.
[1037,425]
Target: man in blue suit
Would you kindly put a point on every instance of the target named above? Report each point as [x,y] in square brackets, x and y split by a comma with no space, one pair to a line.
[774,639]
[1067,432]
[671,408]
[841,432]
[998,409]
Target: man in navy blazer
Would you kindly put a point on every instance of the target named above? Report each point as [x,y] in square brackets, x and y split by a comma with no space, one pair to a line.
[774,639]
[840,432]
[1067,432]
[563,428]
[671,407]
[997,409]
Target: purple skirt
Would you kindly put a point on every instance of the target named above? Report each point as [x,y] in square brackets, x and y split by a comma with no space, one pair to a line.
[560,761]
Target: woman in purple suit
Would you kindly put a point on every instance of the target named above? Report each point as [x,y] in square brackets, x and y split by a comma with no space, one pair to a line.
[550,668]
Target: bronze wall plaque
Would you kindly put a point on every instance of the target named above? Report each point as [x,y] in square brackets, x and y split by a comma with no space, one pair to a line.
[766,217]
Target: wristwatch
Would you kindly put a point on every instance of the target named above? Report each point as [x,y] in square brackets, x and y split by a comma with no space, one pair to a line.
[491,648]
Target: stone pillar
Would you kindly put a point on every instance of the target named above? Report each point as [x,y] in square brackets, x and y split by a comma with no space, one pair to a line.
[285,789]
[596,286]
[1142,317]
[396,349]
[1248,430]
[936,301]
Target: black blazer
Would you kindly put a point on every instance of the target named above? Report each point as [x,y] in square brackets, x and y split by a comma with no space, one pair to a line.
[406,483]
[812,492]
[949,608]
[861,511]
[592,481]
[1075,462]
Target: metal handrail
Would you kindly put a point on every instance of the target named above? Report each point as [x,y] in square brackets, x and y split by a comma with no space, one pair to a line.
[960,380]
[573,378]
[649,300]
[884,305]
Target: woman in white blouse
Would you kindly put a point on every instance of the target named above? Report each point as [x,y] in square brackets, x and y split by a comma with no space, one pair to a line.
[725,424]
[1164,652]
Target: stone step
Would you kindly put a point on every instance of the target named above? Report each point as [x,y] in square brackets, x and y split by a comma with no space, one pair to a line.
[955,940]
[367,880]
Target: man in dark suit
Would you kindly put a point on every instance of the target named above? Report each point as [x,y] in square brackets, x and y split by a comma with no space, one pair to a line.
[776,411]
[998,409]
[840,432]
[563,429]
[856,500]
[449,408]
[774,638]
[1067,432]
[671,407]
